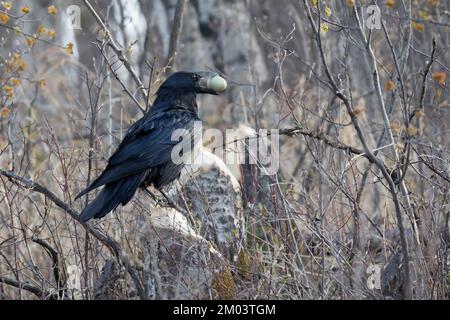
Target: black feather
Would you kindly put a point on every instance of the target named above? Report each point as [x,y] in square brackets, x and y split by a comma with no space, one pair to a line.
[144,155]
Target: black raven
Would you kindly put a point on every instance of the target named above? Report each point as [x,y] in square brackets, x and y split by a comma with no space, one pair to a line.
[144,155]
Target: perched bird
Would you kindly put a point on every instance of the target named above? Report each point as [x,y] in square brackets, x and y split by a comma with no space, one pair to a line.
[143,157]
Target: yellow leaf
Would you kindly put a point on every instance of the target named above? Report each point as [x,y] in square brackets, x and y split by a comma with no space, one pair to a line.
[328,11]
[30,41]
[390,3]
[433,3]
[42,83]
[15,57]
[418,26]
[399,146]
[4,18]
[440,77]
[15,81]
[69,48]
[8,90]
[22,65]
[7,5]
[51,33]
[389,86]
[17,30]
[424,15]
[41,30]
[52,10]
[5,112]
[324,27]
[419,113]
[411,130]
[314,3]
[351,2]
[17,61]
[25,9]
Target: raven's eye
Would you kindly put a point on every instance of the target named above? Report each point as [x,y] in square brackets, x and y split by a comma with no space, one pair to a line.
[195,77]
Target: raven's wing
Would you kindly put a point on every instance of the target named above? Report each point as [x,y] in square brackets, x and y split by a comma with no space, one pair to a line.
[151,140]
[148,143]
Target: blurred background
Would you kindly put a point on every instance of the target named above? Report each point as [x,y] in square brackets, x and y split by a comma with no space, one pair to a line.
[74,75]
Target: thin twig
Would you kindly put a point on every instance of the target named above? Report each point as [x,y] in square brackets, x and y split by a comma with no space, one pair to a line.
[96,231]
[117,50]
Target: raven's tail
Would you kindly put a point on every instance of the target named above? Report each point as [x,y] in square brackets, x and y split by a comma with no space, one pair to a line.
[112,194]
[95,184]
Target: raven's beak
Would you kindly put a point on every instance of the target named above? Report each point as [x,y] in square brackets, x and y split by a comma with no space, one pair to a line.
[210,82]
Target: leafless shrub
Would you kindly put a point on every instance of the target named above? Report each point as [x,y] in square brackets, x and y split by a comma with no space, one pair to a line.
[359,208]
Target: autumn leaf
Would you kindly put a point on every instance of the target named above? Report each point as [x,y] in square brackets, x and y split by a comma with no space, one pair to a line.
[8,90]
[399,146]
[419,113]
[30,41]
[4,18]
[15,82]
[424,15]
[433,3]
[22,65]
[17,30]
[17,62]
[52,10]
[7,5]
[411,130]
[395,126]
[41,30]
[440,77]
[358,110]
[418,26]
[51,33]
[389,86]
[390,3]
[5,112]
[328,11]
[69,48]
[25,10]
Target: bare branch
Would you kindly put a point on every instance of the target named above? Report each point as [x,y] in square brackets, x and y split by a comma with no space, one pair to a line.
[117,50]
[96,231]
[25,286]
[177,26]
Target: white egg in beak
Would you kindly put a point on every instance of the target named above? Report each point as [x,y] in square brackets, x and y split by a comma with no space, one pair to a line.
[216,83]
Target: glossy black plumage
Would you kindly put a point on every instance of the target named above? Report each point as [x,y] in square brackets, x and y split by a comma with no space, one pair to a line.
[144,155]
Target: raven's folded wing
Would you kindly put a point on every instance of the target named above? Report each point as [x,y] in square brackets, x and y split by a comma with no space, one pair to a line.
[146,145]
